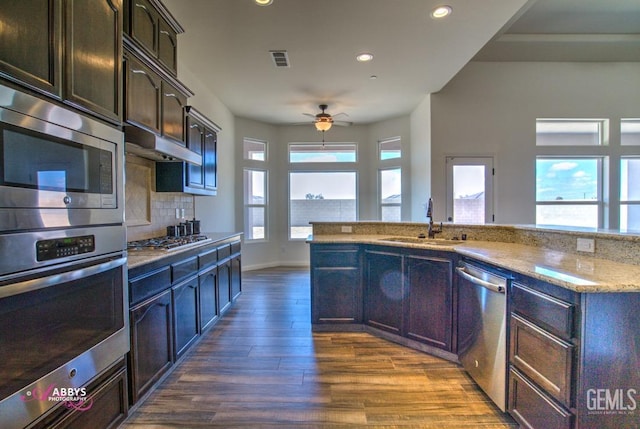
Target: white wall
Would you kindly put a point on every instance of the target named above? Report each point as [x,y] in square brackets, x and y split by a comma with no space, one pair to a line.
[420,159]
[491,108]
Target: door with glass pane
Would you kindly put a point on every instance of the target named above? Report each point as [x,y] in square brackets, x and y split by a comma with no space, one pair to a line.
[470,190]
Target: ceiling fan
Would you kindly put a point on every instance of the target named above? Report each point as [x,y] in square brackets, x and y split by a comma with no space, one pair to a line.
[323,120]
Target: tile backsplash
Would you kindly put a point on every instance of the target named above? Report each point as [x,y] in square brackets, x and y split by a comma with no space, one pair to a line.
[148,213]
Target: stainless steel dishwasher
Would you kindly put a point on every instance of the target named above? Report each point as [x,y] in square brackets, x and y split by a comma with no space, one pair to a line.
[482,318]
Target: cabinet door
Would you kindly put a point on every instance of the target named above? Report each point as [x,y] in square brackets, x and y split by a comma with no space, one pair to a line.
[93,44]
[224,286]
[336,295]
[210,160]
[185,314]
[143,91]
[144,24]
[30,40]
[429,316]
[151,342]
[236,278]
[208,298]
[173,103]
[167,46]
[384,291]
[195,142]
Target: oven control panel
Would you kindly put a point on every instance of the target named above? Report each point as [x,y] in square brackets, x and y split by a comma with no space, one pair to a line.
[47,250]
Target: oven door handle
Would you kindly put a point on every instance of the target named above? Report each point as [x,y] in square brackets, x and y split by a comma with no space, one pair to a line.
[56,279]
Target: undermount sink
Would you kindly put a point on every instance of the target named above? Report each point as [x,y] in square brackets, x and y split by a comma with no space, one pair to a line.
[417,240]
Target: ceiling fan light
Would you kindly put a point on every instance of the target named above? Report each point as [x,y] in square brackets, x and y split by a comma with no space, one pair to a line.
[441,12]
[323,125]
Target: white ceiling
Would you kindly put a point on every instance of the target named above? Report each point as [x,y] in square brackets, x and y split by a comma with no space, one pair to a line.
[227,42]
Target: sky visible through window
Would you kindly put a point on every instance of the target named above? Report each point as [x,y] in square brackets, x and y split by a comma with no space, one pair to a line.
[566,179]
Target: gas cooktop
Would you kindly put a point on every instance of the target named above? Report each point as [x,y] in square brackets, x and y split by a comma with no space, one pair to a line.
[167,243]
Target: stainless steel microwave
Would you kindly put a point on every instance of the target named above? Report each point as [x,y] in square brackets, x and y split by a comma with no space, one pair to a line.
[58,168]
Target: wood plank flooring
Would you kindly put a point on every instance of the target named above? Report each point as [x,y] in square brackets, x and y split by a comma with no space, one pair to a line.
[262,367]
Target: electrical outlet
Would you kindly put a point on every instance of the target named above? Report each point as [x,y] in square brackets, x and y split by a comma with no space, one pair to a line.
[347,228]
[586,245]
[177,213]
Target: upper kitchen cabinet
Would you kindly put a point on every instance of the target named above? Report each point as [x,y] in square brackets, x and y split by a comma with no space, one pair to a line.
[202,139]
[153,27]
[69,50]
[93,47]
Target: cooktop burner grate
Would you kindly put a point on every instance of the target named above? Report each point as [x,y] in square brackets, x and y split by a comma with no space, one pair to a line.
[166,242]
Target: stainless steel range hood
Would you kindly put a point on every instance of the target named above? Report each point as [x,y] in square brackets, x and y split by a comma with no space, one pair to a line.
[151,146]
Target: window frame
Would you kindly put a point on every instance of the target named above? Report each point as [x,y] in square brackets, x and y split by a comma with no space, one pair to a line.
[381,205]
[248,206]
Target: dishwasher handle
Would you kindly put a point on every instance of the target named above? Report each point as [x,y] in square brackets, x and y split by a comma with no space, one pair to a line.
[475,280]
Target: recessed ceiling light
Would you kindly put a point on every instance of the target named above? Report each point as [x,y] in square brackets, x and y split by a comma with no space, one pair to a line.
[441,12]
[373,77]
[364,57]
[263,2]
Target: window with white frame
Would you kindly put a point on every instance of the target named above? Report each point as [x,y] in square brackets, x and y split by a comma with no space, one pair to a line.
[322,185]
[390,185]
[571,132]
[255,185]
[389,149]
[630,193]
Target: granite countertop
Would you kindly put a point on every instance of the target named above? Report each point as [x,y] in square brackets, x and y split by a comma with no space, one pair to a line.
[137,258]
[576,272]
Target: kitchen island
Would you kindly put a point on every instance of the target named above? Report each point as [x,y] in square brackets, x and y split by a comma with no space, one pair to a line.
[572,340]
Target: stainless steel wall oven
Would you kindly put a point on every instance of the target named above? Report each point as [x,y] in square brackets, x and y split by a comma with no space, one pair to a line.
[63,272]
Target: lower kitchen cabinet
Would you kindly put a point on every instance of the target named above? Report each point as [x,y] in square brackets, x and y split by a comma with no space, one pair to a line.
[224,285]
[336,285]
[236,276]
[384,291]
[186,326]
[429,303]
[151,353]
[208,285]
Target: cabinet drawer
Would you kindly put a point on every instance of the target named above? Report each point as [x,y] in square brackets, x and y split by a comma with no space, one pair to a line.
[550,312]
[235,247]
[207,258]
[183,269]
[224,252]
[543,357]
[336,258]
[532,408]
[148,285]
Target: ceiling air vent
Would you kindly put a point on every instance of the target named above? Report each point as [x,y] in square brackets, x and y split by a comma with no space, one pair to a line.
[280,58]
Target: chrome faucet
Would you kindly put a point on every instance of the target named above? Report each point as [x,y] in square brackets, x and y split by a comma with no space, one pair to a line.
[432,231]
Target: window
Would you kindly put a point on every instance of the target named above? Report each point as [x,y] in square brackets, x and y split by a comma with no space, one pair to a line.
[320,196]
[571,132]
[255,198]
[254,150]
[389,149]
[322,153]
[255,203]
[469,190]
[390,184]
[630,132]
[568,191]
[630,194]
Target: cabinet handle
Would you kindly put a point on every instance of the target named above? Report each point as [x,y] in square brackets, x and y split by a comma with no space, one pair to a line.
[141,6]
[164,32]
[209,135]
[138,71]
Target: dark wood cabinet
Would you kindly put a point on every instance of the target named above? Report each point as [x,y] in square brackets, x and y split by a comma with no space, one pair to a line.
[429,307]
[186,326]
[143,90]
[172,108]
[93,47]
[151,353]
[236,276]
[208,284]
[336,285]
[70,50]
[151,25]
[224,285]
[201,138]
[384,290]
[31,43]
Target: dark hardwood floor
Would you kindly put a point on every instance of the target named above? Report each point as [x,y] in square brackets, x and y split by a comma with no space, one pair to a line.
[262,367]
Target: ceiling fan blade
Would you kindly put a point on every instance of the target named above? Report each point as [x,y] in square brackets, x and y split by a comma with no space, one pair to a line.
[341,113]
[342,123]
[309,114]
